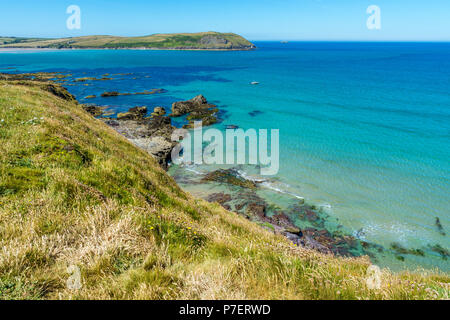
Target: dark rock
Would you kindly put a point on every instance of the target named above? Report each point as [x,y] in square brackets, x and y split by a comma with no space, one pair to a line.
[310,243]
[136,113]
[229,176]
[110,94]
[96,111]
[220,198]
[151,134]
[445,254]
[115,93]
[255,113]
[282,220]
[198,109]
[398,248]
[181,108]
[294,230]
[240,206]
[439,226]
[256,209]
[158,111]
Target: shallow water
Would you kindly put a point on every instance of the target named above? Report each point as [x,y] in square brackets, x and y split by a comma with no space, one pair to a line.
[364,127]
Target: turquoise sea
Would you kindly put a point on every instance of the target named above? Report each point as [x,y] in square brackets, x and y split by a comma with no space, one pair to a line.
[364,127]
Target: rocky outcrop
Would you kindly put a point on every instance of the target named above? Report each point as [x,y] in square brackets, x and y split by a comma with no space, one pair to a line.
[151,134]
[213,40]
[94,110]
[196,109]
[110,94]
[206,116]
[181,108]
[158,111]
[229,176]
[116,93]
[136,113]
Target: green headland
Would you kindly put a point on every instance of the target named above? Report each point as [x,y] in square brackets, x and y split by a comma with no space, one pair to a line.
[186,41]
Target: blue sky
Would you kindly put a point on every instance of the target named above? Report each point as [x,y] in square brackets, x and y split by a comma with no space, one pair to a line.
[410,20]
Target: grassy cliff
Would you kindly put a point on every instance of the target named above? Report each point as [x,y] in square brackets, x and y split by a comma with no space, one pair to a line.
[73,192]
[202,40]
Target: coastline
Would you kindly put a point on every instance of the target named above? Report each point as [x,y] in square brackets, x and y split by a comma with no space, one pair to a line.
[92,201]
[137,48]
[259,210]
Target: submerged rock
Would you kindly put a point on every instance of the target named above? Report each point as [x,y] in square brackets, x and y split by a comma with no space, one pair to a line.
[439,226]
[221,198]
[398,248]
[206,116]
[229,176]
[445,254]
[255,113]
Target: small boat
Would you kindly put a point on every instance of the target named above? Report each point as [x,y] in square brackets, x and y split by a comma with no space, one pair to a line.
[254,82]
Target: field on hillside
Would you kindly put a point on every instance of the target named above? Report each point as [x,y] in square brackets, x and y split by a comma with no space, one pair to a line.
[77,196]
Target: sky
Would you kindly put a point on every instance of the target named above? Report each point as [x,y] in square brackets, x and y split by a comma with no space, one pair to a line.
[322,20]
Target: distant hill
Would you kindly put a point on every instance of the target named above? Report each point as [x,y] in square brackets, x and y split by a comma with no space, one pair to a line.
[186,41]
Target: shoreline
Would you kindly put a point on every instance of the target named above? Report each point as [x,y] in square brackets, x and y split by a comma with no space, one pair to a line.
[257,208]
[75,195]
[137,48]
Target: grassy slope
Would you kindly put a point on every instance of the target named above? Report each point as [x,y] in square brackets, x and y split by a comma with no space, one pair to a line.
[15,40]
[152,41]
[74,192]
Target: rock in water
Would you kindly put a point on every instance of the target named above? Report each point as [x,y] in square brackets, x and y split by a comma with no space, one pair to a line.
[181,108]
[229,176]
[440,227]
[96,111]
[136,113]
[158,111]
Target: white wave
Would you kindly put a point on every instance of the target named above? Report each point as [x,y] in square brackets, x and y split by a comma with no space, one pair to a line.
[271,186]
[399,232]
[244,175]
[192,168]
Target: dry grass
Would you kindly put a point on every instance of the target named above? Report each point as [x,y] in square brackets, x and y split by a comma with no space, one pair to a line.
[74,192]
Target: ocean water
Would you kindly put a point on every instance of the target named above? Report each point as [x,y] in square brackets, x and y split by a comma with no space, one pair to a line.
[364,127]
